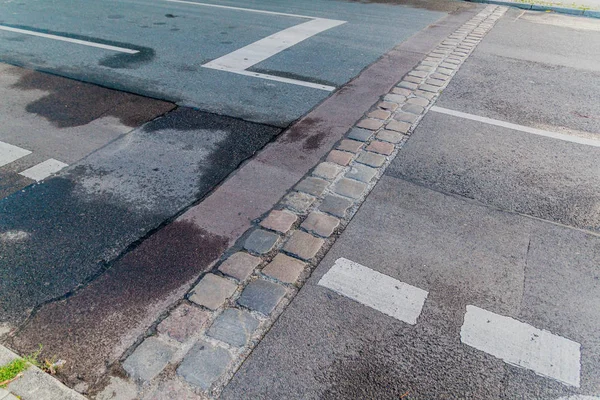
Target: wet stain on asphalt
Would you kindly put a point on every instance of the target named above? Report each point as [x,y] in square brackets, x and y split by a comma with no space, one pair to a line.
[298,133]
[120,305]
[72,103]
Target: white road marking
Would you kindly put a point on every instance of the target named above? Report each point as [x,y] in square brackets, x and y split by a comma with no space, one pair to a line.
[43,170]
[241,9]
[10,153]
[527,129]
[68,39]
[371,288]
[522,345]
[260,50]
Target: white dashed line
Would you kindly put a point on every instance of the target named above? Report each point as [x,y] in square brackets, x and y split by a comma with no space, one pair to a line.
[522,345]
[376,290]
[43,170]
[10,153]
[68,39]
[527,129]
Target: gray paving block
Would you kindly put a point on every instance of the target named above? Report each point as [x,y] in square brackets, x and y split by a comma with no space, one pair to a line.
[261,241]
[204,364]
[262,296]
[361,173]
[233,327]
[360,134]
[149,359]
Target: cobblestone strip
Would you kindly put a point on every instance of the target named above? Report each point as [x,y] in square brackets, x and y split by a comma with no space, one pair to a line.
[203,341]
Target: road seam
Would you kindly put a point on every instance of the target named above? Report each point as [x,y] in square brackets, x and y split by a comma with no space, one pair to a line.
[278,254]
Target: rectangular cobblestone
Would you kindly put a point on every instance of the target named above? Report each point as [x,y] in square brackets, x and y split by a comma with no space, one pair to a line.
[340,157]
[424,68]
[312,185]
[371,159]
[369,123]
[281,220]
[149,359]
[379,114]
[299,202]
[327,170]
[361,172]
[408,85]
[398,126]
[262,296]
[204,364]
[303,245]
[352,146]
[261,241]
[359,134]
[284,268]
[234,327]
[405,117]
[337,206]
[183,322]
[413,108]
[419,74]
[349,188]
[437,75]
[212,291]
[381,147]
[445,71]
[386,105]
[390,136]
[419,100]
[435,82]
[320,224]
[400,91]
[429,88]
[395,98]
[239,265]
[413,79]
[448,66]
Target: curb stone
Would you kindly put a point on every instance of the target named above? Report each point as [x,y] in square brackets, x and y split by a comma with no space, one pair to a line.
[322,203]
[542,7]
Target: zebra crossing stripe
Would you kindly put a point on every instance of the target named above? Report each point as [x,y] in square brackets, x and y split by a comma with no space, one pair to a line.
[10,153]
[43,170]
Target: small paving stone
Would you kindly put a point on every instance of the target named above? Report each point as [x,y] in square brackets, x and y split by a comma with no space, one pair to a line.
[395,98]
[369,123]
[234,327]
[448,66]
[361,172]
[427,95]
[381,147]
[212,291]
[204,364]
[450,60]
[426,68]
[418,100]
[280,220]
[312,185]
[335,205]
[372,159]
[321,224]
[149,359]
[300,202]
[284,268]
[262,296]
[183,322]
[339,157]
[429,88]
[433,59]
[386,105]
[239,265]
[419,74]
[117,389]
[303,245]
[408,85]
[352,146]
[435,82]
[401,91]
[379,114]
[349,188]
[413,79]
[390,136]
[361,135]
[442,77]
[261,241]
[398,126]
[429,63]
[413,108]
[327,170]
[169,388]
[445,71]
[405,117]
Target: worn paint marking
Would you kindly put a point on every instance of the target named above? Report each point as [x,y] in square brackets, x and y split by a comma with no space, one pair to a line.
[522,345]
[41,171]
[10,153]
[376,290]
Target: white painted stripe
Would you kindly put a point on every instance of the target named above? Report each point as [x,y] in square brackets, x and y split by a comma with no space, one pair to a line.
[278,79]
[527,129]
[241,9]
[10,153]
[371,288]
[68,39]
[522,345]
[43,170]
[260,50]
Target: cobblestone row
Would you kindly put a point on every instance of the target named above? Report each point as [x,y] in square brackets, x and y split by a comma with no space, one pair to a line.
[203,341]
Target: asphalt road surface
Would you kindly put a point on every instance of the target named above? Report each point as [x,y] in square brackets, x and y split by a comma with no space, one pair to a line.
[493,227]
